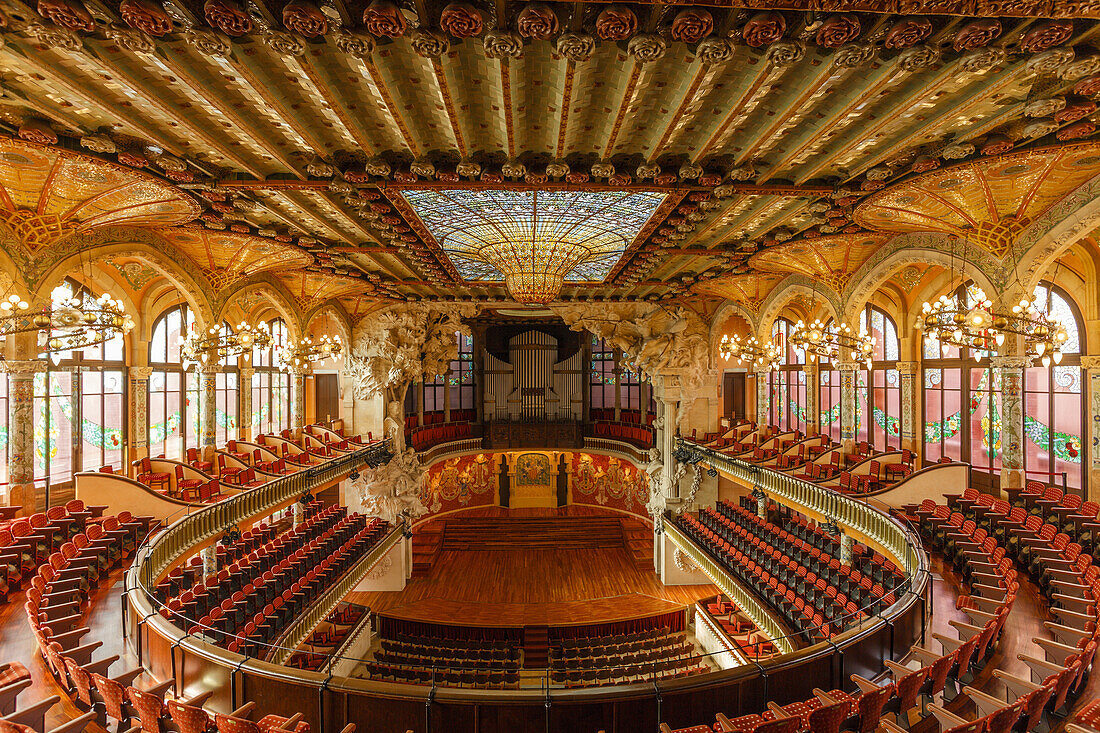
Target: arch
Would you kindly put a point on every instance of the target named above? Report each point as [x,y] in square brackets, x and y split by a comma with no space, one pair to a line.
[1056,230]
[916,249]
[280,300]
[785,292]
[334,309]
[727,309]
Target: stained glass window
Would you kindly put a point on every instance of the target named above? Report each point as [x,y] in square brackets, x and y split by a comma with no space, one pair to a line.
[603,375]
[490,233]
[788,383]
[174,400]
[270,385]
[878,391]
[461,376]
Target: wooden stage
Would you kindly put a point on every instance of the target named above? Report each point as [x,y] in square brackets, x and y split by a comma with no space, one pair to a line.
[533,585]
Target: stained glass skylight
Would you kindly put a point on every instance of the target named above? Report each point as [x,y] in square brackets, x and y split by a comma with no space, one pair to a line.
[533,240]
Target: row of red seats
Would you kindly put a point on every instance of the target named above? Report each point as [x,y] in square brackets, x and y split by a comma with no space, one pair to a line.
[426,437]
[633,434]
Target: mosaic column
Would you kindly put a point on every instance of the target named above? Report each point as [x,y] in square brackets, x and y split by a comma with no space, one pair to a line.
[208,393]
[813,396]
[139,412]
[846,549]
[847,371]
[1012,418]
[908,372]
[1090,365]
[763,396]
[21,491]
[244,418]
[297,399]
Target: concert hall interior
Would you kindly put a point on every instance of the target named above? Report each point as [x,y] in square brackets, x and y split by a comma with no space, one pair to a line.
[532,366]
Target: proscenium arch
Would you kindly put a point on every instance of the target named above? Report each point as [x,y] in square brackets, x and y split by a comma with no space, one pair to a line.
[784,292]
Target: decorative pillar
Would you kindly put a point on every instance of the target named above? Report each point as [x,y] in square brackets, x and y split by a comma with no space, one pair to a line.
[1090,365]
[297,399]
[813,396]
[21,491]
[846,549]
[666,437]
[208,393]
[244,404]
[139,412]
[908,372]
[1012,418]
[847,403]
[763,396]
[209,555]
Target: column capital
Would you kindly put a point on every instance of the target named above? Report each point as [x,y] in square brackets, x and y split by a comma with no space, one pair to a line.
[25,366]
[908,367]
[1010,361]
[246,373]
[848,366]
[141,372]
[213,368]
[1090,362]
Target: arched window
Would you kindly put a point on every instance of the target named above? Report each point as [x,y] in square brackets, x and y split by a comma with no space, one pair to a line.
[270,385]
[461,380]
[878,390]
[788,383]
[829,396]
[79,405]
[1054,414]
[602,384]
[175,423]
[227,395]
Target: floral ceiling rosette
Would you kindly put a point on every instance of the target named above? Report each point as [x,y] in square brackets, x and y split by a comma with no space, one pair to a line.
[49,194]
[988,201]
[830,259]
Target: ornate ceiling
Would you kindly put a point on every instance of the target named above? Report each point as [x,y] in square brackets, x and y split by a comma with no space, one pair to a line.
[301,122]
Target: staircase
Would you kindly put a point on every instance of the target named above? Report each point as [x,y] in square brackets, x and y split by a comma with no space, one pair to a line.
[536,647]
[426,544]
[532,533]
[639,543]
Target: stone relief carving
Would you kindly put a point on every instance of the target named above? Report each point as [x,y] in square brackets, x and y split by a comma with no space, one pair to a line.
[660,342]
[397,346]
[393,490]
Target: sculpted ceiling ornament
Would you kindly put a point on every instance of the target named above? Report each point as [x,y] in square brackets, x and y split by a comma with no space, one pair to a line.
[662,343]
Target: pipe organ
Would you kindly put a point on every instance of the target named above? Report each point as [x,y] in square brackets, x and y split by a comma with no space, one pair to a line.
[534,386]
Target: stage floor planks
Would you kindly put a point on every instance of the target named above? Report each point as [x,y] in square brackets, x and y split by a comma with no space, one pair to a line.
[516,587]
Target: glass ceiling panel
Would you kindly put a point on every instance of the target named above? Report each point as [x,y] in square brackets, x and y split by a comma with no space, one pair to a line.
[581,234]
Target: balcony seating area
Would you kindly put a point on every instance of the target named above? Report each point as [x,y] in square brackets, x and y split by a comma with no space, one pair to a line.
[739,628]
[429,436]
[636,435]
[324,640]
[928,681]
[626,417]
[246,605]
[623,658]
[801,577]
[458,662]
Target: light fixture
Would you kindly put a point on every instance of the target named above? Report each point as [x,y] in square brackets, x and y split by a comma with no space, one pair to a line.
[299,356]
[829,342]
[751,350]
[982,329]
[211,346]
[66,324]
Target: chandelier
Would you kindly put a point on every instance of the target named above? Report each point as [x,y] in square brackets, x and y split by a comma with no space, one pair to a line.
[300,356]
[211,346]
[66,324]
[982,329]
[761,355]
[829,342]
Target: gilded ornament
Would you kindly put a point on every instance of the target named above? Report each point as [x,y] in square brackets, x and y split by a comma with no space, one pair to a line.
[920,56]
[1088,87]
[714,50]
[692,25]
[907,32]
[1077,130]
[977,34]
[145,15]
[603,169]
[210,43]
[785,53]
[1040,127]
[513,169]
[503,45]
[763,29]
[1044,107]
[576,46]
[982,59]
[129,39]
[647,47]
[283,43]
[98,143]
[423,168]
[537,21]
[383,18]
[854,55]
[838,30]
[1050,61]
[1076,108]
[37,131]
[55,36]
[1046,34]
[616,23]
[1086,61]
[228,17]
[429,44]
[958,151]
[320,168]
[378,167]
[468,169]
[304,18]
[557,169]
[69,14]
[461,20]
[357,45]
